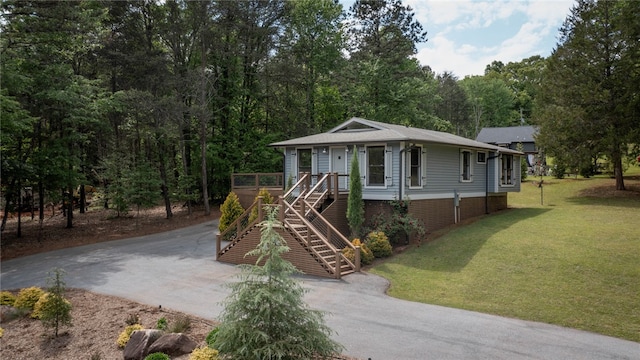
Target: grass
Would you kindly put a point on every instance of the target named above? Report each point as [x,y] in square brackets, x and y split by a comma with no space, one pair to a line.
[573,261]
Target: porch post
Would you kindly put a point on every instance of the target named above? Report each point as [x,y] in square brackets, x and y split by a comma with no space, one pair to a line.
[218,241]
[329,179]
[260,215]
[338,265]
[281,210]
[357,258]
[336,185]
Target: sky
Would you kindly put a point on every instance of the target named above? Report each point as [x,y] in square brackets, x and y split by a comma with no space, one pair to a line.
[464,36]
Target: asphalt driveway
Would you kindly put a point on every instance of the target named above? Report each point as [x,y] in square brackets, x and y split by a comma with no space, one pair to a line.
[178,270]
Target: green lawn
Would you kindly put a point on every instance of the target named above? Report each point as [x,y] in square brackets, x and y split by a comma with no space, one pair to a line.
[574,261]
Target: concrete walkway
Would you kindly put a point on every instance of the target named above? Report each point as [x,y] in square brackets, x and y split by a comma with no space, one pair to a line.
[178,270]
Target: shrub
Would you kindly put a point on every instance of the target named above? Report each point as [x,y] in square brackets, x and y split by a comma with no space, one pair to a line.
[366,256]
[28,297]
[204,353]
[379,244]
[161,324]
[181,324]
[211,337]
[400,224]
[266,199]
[157,356]
[132,319]
[124,336]
[230,210]
[45,305]
[7,298]
[1,332]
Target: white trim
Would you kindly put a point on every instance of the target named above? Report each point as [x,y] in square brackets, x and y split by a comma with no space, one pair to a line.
[433,196]
[365,157]
[461,159]
[423,168]
[478,152]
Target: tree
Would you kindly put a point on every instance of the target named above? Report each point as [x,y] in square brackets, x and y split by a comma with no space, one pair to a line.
[491,102]
[383,80]
[56,310]
[453,106]
[589,102]
[355,205]
[265,316]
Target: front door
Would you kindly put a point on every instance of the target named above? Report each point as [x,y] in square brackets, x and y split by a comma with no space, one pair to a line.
[339,165]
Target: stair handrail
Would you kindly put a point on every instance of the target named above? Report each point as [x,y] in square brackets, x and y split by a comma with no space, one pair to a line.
[322,187]
[311,229]
[333,234]
[303,182]
[239,226]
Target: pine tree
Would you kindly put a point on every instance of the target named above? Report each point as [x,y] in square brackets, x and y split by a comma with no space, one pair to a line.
[56,312]
[265,316]
[355,206]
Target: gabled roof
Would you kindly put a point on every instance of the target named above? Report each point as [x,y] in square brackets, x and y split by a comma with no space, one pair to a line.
[507,135]
[361,131]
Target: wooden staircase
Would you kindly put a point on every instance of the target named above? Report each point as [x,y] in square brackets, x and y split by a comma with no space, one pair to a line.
[300,216]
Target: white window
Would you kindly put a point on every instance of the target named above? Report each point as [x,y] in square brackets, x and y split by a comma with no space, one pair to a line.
[376,166]
[482,157]
[466,170]
[416,167]
[506,173]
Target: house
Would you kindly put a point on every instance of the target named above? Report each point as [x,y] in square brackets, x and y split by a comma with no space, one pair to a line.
[513,137]
[447,178]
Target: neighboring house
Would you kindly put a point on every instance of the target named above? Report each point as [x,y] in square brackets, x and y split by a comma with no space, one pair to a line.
[511,137]
[447,178]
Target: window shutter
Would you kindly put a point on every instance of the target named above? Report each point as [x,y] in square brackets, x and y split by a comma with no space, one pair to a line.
[423,167]
[388,166]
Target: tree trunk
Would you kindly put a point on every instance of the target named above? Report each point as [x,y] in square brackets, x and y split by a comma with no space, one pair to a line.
[70,207]
[83,198]
[165,190]
[617,171]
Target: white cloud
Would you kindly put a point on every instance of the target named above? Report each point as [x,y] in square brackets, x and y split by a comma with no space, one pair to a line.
[446,21]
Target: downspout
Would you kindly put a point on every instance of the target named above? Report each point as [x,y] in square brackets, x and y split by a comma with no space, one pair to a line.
[486,181]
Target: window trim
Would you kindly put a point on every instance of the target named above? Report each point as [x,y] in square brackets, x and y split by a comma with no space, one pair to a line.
[422,167]
[484,160]
[386,163]
[469,164]
[511,168]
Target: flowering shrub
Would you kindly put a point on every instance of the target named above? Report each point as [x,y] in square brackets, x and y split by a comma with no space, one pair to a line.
[399,224]
[28,297]
[204,353]
[7,298]
[379,244]
[366,256]
[125,335]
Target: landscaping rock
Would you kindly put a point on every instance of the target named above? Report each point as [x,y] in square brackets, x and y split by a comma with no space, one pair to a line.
[139,342]
[173,345]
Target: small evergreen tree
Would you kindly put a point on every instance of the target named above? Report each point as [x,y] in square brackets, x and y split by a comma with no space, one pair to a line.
[355,205]
[265,316]
[266,199]
[230,210]
[56,312]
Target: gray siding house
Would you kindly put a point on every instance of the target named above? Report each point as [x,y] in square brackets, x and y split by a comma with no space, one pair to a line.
[512,137]
[448,178]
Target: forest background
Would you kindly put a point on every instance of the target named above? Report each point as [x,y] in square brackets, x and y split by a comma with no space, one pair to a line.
[161,101]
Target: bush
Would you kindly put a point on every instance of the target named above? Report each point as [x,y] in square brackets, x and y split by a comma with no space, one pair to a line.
[379,244]
[266,199]
[157,356]
[204,353]
[211,337]
[7,298]
[28,297]
[45,304]
[181,324]
[366,256]
[1,332]
[161,324]
[132,319]
[230,211]
[124,336]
